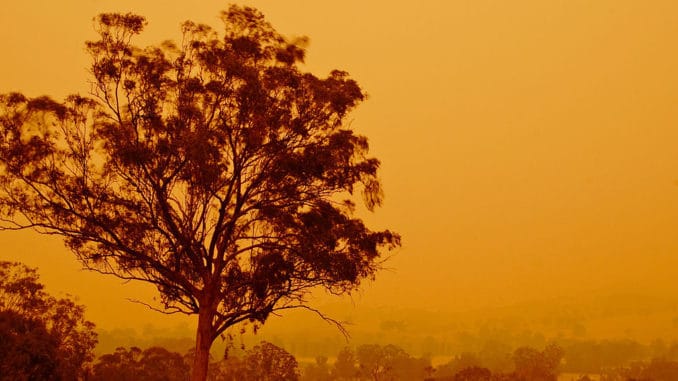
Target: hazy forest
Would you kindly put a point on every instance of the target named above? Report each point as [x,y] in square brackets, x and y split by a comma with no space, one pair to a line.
[506,210]
[48,338]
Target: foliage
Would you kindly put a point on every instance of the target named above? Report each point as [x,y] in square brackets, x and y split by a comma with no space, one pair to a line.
[263,362]
[371,362]
[534,365]
[152,364]
[268,362]
[377,362]
[345,367]
[657,369]
[473,373]
[41,333]
[214,169]
[385,362]
[231,368]
[27,350]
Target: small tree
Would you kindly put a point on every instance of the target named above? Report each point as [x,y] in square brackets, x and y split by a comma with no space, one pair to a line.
[531,364]
[159,364]
[152,364]
[389,362]
[27,350]
[268,362]
[345,368]
[231,368]
[122,364]
[214,169]
[41,337]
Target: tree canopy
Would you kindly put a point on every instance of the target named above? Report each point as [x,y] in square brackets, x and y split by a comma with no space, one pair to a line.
[152,364]
[41,337]
[214,168]
[263,362]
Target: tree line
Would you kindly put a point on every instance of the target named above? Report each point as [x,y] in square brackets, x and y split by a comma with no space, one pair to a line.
[369,362]
[46,338]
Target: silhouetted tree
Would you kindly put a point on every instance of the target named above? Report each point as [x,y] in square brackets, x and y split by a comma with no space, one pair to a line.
[231,368]
[655,370]
[152,364]
[38,332]
[376,362]
[345,367]
[122,365]
[268,362]
[214,169]
[27,350]
[263,362]
[389,362]
[159,364]
[534,365]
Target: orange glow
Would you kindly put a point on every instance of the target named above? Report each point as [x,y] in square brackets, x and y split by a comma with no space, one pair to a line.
[528,147]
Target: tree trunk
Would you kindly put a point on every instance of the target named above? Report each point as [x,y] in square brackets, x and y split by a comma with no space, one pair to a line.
[203,342]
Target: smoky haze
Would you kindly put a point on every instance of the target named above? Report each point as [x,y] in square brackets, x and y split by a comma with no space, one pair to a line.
[528,154]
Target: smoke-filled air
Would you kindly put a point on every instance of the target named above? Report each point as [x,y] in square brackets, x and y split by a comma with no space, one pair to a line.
[339,191]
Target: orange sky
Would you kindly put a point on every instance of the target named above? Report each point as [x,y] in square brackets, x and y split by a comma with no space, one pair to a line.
[528,147]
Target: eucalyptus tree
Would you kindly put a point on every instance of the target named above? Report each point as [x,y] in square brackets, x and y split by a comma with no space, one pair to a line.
[214,168]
